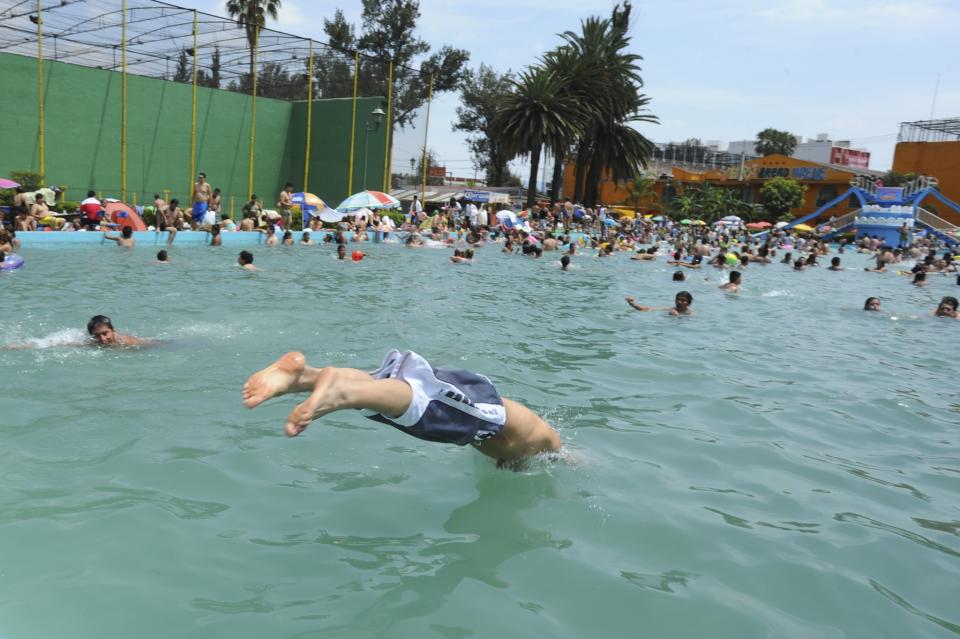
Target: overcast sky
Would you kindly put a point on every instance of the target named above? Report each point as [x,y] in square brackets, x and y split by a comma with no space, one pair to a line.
[714,70]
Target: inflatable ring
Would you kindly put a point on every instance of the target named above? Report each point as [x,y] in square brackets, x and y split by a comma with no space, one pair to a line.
[731,259]
[356,256]
[11,262]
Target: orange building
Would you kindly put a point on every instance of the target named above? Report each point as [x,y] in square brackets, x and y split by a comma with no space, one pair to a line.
[824,182]
[937,159]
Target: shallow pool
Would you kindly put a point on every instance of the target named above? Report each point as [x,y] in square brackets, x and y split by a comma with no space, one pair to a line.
[782,464]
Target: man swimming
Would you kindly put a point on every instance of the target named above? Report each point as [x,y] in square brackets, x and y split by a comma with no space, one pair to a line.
[101,331]
[947,308]
[733,285]
[436,404]
[681,304]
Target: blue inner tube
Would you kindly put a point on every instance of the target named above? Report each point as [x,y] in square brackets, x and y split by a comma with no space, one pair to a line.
[11,262]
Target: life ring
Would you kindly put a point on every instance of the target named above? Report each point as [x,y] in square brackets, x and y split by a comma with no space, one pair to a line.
[11,262]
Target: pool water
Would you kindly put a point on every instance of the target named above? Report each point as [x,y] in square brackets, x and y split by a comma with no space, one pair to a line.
[781,464]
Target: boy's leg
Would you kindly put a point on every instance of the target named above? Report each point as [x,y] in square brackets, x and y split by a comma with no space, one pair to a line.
[289,374]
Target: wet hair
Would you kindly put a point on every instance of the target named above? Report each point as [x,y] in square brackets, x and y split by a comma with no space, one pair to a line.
[103,320]
[949,300]
[564,262]
[127,232]
[735,276]
[468,254]
[835,261]
[246,257]
[686,295]
[161,256]
[679,276]
[215,230]
[798,264]
[866,305]
[920,276]
[287,235]
[787,257]
[305,236]
[327,238]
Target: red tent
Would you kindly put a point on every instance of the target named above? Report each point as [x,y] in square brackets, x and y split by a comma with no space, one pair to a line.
[122,215]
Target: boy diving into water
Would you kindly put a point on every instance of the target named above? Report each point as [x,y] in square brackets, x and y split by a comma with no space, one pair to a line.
[436,404]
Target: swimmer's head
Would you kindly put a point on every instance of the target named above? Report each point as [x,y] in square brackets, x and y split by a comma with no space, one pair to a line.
[835,261]
[162,256]
[341,251]
[735,277]
[947,307]
[245,257]
[872,304]
[565,262]
[101,330]
[679,276]
[683,300]
[127,232]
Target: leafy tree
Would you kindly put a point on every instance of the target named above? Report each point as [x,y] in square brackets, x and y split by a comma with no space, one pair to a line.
[779,195]
[540,110]
[481,93]
[184,72]
[213,80]
[683,205]
[432,163]
[642,189]
[388,33]
[251,17]
[773,142]
[892,178]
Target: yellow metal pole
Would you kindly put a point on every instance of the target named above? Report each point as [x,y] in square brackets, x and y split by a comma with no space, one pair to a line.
[306,159]
[426,130]
[40,88]
[353,124]
[123,104]
[193,115]
[253,108]
[386,144]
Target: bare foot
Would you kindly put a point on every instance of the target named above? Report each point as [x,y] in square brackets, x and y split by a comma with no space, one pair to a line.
[328,395]
[276,379]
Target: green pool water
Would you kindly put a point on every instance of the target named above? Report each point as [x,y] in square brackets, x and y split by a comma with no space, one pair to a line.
[782,464]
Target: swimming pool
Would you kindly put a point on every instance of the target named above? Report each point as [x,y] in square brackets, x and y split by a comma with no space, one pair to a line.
[780,464]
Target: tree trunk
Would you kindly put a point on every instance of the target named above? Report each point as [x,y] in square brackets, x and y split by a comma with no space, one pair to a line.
[532,183]
[556,187]
[581,173]
[592,186]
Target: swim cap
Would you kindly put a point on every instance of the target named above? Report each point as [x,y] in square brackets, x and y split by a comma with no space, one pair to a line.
[356,256]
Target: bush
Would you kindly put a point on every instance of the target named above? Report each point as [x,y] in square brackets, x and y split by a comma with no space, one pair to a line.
[28,180]
[6,197]
[68,206]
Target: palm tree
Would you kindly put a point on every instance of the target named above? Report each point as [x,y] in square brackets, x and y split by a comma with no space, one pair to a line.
[642,189]
[251,16]
[539,111]
[610,78]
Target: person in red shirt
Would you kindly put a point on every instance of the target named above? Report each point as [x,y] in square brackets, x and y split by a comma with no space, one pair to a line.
[92,211]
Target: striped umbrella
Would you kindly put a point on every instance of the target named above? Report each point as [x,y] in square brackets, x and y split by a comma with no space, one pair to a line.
[369,199]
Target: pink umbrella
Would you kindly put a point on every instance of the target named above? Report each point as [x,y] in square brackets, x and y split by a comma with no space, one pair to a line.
[8,184]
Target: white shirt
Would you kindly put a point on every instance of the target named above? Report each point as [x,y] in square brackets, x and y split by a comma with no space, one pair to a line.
[472,211]
[415,207]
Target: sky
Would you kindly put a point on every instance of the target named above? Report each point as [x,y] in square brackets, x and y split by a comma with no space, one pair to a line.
[714,70]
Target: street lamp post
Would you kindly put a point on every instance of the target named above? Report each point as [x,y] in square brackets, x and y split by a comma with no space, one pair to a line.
[377,118]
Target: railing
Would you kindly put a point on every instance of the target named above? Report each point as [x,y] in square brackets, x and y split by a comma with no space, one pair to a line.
[934,221]
[844,220]
[864,183]
[918,184]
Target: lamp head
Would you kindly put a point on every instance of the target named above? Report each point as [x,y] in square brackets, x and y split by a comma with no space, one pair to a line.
[377,116]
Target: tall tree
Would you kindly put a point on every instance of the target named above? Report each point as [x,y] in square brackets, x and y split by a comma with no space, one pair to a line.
[642,189]
[596,64]
[251,17]
[388,32]
[184,72]
[213,80]
[772,142]
[539,111]
[481,93]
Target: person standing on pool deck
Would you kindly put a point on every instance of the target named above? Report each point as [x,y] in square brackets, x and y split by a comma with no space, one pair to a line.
[201,200]
[435,404]
[285,204]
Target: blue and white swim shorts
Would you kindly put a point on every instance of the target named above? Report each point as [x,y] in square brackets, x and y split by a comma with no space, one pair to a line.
[449,405]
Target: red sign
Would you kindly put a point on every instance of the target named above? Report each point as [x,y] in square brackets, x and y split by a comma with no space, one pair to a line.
[437,171]
[850,157]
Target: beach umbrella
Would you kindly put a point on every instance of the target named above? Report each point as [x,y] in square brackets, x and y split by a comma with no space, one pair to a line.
[329,215]
[803,228]
[308,203]
[733,219]
[685,221]
[756,226]
[8,184]
[370,200]
[780,225]
[698,223]
[658,218]
[763,224]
